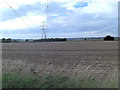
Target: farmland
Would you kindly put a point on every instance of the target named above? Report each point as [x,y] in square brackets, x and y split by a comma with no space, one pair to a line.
[97,59]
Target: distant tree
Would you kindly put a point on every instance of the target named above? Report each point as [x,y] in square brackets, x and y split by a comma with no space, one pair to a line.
[85,39]
[9,40]
[26,40]
[3,40]
[108,38]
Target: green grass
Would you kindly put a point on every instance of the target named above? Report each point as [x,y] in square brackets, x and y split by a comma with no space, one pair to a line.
[18,80]
[0,80]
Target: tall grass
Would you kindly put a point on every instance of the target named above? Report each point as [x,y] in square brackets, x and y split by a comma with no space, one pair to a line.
[19,80]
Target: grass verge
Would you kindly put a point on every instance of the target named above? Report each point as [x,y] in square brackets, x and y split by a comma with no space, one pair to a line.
[19,80]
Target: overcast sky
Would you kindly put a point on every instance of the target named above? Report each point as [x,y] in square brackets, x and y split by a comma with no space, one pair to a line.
[64,18]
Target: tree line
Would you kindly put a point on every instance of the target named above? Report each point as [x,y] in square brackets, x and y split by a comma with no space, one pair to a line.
[9,40]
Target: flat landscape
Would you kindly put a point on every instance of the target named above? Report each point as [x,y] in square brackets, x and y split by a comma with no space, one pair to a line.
[76,59]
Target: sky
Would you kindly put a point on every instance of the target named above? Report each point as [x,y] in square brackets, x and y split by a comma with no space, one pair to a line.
[22,19]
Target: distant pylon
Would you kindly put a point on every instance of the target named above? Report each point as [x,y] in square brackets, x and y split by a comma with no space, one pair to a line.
[45,24]
[44,36]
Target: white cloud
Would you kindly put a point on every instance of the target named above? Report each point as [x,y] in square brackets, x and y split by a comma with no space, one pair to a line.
[99,7]
[12,25]
[20,23]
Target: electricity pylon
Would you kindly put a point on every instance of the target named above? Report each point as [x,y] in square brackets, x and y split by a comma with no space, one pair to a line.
[44,36]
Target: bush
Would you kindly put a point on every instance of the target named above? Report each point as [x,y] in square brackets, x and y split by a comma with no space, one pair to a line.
[26,40]
[109,38]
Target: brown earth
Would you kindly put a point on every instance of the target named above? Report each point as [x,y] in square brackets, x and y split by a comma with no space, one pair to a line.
[80,58]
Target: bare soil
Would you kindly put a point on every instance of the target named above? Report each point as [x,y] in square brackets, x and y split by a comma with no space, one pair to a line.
[98,59]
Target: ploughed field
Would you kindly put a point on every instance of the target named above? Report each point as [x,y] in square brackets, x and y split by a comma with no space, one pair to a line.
[72,58]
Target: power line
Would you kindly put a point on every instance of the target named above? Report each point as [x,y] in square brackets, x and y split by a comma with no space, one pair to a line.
[17,14]
[26,15]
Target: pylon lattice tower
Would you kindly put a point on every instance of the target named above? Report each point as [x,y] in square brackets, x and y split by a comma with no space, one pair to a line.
[44,36]
[44,26]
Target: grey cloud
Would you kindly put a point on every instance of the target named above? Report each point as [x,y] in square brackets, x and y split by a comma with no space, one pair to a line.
[22,11]
[76,23]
